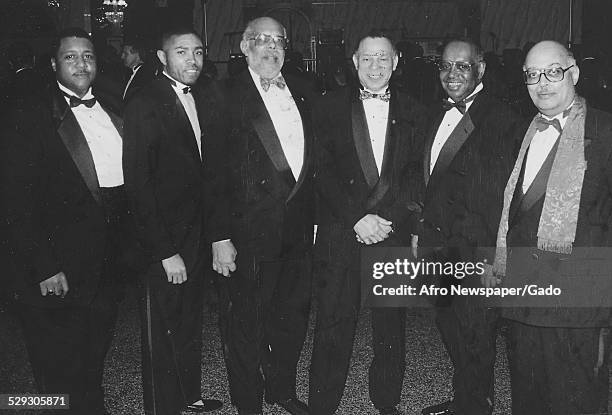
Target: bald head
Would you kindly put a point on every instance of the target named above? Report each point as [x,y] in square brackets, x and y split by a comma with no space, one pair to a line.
[552,97]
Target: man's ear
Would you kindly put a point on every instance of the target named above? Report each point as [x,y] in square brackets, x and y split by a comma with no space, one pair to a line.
[395,61]
[356,61]
[53,64]
[482,66]
[161,55]
[575,74]
[244,47]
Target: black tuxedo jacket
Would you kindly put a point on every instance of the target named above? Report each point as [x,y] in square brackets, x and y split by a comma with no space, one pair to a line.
[463,195]
[144,76]
[348,184]
[266,212]
[593,230]
[50,201]
[164,174]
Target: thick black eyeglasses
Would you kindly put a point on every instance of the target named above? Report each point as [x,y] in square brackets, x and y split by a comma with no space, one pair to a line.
[556,74]
[261,39]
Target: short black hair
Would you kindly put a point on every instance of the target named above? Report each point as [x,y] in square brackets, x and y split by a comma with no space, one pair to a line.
[69,32]
[377,34]
[139,46]
[478,51]
[179,30]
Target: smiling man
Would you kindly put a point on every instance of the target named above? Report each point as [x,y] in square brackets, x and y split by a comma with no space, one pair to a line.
[468,157]
[369,157]
[265,215]
[166,183]
[557,204]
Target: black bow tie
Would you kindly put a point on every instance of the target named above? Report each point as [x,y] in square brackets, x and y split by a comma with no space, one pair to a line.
[385,97]
[186,90]
[279,81]
[76,101]
[542,124]
[460,105]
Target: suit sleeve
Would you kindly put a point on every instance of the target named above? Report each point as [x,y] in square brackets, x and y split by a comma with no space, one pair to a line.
[140,152]
[22,193]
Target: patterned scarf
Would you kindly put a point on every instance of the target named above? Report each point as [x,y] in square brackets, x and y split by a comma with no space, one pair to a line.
[557,227]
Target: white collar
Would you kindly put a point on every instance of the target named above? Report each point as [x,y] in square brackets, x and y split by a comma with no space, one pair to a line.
[476,90]
[67,91]
[178,86]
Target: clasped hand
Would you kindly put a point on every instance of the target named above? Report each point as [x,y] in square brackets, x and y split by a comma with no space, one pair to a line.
[372,229]
[224,257]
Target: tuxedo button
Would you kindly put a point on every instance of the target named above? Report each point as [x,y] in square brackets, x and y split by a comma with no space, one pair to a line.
[263,181]
[351,181]
[438,229]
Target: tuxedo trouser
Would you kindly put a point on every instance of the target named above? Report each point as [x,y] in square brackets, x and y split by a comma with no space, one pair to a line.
[338,298]
[263,325]
[67,346]
[558,371]
[171,332]
[468,330]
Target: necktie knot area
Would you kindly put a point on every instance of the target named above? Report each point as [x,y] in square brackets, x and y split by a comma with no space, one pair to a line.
[460,105]
[76,101]
[542,124]
[267,83]
[385,97]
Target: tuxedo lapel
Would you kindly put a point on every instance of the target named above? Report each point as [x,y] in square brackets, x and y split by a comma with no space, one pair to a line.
[537,189]
[305,114]
[428,146]
[392,144]
[72,136]
[361,137]
[452,146]
[262,123]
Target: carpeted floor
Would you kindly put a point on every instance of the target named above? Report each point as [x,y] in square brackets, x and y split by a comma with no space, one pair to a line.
[427,379]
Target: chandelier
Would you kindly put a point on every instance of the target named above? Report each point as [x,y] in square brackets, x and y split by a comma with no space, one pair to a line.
[113,10]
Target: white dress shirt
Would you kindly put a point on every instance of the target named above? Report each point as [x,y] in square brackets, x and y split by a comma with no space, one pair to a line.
[190,108]
[287,122]
[102,138]
[136,68]
[377,115]
[448,124]
[539,149]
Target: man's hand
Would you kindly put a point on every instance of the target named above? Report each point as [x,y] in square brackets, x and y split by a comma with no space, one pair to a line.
[372,229]
[175,269]
[56,285]
[224,257]
[487,279]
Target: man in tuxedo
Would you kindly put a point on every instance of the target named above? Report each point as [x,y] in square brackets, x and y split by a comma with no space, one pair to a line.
[134,57]
[264,221]
[165,178]
[369,153]
[65,213]
[557,211]
[468,157]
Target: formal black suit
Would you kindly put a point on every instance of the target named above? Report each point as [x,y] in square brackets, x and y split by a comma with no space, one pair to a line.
[462,206]
[558,356]
[349,187]
[268,215]
[58,219]
[144,75]
[166,185]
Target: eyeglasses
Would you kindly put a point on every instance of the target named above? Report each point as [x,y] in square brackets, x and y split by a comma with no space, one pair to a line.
[556,74]
[261,39]
[447,66]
